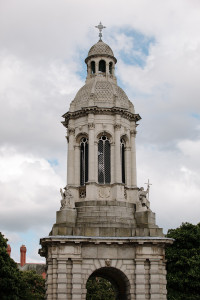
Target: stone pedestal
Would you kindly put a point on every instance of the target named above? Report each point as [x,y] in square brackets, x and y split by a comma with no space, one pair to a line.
[135,265]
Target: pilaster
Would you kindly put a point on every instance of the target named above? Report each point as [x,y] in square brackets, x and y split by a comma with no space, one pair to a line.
[77,165]
[54,279]
[118,173]
[91,127]
[70,160]
[156,290]
[76,279]
[133,159]
[61,279]
[140,279]
[128,166]
[49,279]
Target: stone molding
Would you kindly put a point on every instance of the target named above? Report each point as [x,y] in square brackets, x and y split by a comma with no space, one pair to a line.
[97,111]
[117,126]
[133,132]
[71,130]
[91,125]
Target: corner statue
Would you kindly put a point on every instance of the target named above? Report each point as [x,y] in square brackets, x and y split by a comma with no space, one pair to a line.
[67,199]
[144,203]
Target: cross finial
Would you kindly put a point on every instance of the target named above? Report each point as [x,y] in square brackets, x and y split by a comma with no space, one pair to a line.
[100,27]
[148,186]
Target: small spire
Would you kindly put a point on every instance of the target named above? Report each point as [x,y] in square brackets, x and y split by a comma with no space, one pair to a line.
[100,27]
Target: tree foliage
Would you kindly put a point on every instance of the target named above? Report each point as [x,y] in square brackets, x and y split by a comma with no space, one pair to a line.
[99,288]
[15,284]
[183,263]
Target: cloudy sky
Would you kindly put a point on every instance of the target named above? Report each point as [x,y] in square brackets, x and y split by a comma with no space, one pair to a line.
[43,47]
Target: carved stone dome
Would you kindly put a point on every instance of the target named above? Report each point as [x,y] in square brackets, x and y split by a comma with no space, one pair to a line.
[101,93]
[100,48]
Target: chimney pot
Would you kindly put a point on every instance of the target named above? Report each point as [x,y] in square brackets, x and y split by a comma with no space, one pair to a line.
[22,255]
[8,249]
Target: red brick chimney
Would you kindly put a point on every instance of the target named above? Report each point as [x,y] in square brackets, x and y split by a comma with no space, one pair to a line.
[8,249]
[22,255]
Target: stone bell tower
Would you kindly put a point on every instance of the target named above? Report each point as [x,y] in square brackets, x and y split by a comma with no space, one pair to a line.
[105,227]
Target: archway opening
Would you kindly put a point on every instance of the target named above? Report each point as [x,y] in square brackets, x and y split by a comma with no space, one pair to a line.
[102,66]
[108,283]
[100,288]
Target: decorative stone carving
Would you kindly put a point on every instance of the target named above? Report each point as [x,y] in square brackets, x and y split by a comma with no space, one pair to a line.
[107,262]
[100,110]
[71,130]
[82,192]
[67,199]
[91,125]
[117,126]
[133,132]
[104,192]
[143,201]
[125,193]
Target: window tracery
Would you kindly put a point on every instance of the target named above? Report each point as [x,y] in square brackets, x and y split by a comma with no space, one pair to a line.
[122,146]
[104,160]
[83,161]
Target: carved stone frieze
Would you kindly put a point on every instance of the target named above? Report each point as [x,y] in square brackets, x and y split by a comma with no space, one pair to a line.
[104,192]
[107,262]
[117,126]
[91,125]
[133,132]
[71,130]
[100,111]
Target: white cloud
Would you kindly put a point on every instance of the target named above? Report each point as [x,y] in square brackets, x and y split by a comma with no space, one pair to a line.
[41,44]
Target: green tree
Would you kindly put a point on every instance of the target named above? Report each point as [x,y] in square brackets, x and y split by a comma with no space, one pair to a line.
[15,284]
[34,286]
[10,276]
[183,263]
[99,288]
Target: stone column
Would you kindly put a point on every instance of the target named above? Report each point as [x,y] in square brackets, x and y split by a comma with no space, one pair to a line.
[77,165]
[91,127]
[96,161]
[49,279]
[112,153]
[61,279]
[118,173]
[133,159]
[128,166]
[140,279]
[77,279]
[54,279]
[107,68]
[70,159]
[156,282]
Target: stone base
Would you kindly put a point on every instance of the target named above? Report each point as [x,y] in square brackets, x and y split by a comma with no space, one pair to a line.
[136,266]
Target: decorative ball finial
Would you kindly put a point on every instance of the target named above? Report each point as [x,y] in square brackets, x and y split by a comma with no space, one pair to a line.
[100,27]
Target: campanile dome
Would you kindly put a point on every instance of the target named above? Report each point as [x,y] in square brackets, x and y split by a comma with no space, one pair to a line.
[101,87]
[100,48]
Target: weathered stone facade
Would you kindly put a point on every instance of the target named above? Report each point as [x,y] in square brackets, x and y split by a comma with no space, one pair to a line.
[105,226]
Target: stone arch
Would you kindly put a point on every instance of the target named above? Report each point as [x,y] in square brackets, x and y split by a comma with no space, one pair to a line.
[117,278]
[104,132]
[102,66]
[125,137]
[79,136]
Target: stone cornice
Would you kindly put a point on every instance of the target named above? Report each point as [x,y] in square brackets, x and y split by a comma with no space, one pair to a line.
[111,240]
[100,110]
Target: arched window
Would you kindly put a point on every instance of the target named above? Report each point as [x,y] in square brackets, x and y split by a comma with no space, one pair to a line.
[110,67]
[104,160]
[122,144]
[102,66]
[83,161]
[93,67]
